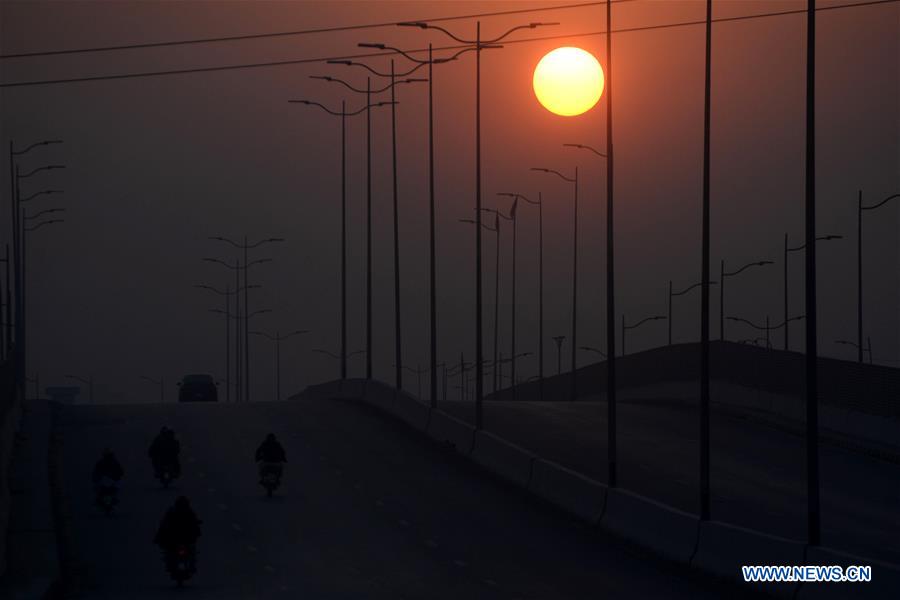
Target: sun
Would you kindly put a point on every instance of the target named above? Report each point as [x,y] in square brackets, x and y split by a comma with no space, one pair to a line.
[568,81]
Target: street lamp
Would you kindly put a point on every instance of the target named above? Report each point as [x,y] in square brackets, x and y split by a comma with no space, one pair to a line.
[635,326]
[559,340]
[859,286]
[768,327]
[343,114]
[540,204]
[854,344]
[681,293]
[479,46]
[23,254]
[245,246]
[89,382]
[227,293]
[161,383]
[573,180]
[368,92]
[785,259]
[722,275]
[278,338]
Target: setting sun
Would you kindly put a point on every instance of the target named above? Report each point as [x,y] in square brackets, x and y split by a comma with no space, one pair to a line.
[568,81]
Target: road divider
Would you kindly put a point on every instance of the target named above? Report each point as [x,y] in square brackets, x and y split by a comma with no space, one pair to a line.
[571,491]
[723,549]
[668,532]
[447,429]
[503,458]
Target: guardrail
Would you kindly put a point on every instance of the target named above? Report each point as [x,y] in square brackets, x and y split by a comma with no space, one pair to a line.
[716,548]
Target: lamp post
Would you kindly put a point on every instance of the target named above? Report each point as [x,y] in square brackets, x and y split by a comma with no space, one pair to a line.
[227,293]
[559,340]
[238,346]
[89,382]
[767,328]
[432,262]
[23,253]
[540,204]
[7,329]
[397,330]
[161,383]
[635,326]
[278,338]
[573,180]
[511,217]
[245,246]
[479,46]
[859,261]
[722,275]
[495,229]
[854,344]
[681,293]
[785,261]
[343,114]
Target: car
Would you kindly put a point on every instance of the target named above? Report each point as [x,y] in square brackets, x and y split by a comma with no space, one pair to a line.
[197,388]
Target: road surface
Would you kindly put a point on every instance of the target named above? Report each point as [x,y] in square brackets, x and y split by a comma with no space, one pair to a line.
[368,509]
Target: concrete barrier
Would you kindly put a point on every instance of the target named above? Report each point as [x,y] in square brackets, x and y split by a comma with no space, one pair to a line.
[571,491]
[504,458]
[380,396]
[885,577]
[444,428]
[660,528]
[722,549]
[411,410]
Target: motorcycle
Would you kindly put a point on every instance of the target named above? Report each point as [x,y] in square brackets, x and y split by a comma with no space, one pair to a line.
[270,476]
[107,492]
[181,562]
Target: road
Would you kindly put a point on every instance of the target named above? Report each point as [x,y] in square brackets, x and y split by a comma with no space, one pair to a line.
[757,471]
[368,509]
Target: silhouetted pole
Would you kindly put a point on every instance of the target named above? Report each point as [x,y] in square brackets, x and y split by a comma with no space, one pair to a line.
[479,46]
[812,396]
[8,328]
[635,326]
[704,302]
[722,275]
[496,300]
[559,340]
[368,230]
[398,354]
[432,277]
[238,380]
[344,239]
[610,268]
[278,338]
[573,180]
[786,251]
[512,355]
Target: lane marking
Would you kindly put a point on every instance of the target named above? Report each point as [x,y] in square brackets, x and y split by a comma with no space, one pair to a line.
[491,582]
[379,503]
[252,548]
[222,506]
[211,490]
[403,523]
[236,527]
[459,563]
[431,543]
[269,568]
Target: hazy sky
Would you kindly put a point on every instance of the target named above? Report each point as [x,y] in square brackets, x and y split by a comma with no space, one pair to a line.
[155,165]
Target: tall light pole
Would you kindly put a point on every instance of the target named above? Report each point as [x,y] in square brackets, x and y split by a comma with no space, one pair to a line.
[23,282]
[611,426]
[768,328]
[7,329]
[574,181]
[722,275]
[431,206]
[785,261]
[368,92]
[559,340]
[704,279]
[343,114]
[635,326]
[479,46]
[540,204]
[227,293]
[511,217]
[859,262]
[681,293]
[245,246]
[278,338]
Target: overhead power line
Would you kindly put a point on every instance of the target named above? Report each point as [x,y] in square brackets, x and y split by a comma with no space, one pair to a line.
[301,61]
[339,28]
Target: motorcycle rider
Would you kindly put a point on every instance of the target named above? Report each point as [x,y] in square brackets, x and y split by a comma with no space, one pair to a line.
[107,470]
[179,525]
[164,450]
[270,455]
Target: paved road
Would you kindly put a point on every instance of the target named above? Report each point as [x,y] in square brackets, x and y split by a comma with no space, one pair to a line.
[757,471]
[368,510]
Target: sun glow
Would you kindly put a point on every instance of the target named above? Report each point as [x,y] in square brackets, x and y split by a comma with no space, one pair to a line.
[568,81]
